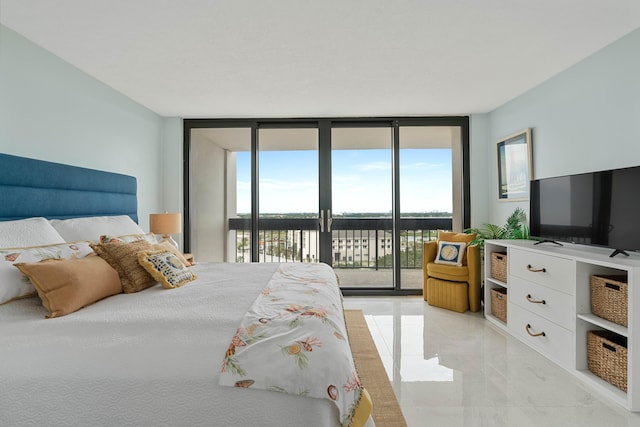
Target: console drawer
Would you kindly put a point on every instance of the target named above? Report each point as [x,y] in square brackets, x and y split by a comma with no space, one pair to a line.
[557,307]
[556,343]
[550,271]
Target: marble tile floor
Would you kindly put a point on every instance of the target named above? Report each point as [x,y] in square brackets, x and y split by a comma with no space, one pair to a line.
[452,369]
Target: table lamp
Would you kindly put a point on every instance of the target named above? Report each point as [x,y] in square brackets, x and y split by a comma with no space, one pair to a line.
[166,224]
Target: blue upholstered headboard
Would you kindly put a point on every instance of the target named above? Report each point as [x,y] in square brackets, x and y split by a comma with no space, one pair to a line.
[34,188]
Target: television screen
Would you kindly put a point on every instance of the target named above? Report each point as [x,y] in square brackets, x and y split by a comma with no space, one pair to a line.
[597,208]
[623,226]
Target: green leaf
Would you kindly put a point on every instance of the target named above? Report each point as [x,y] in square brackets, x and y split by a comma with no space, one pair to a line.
[515,228]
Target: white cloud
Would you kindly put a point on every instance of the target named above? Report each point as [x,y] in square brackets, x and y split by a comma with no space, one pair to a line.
[373,166]
[267,184]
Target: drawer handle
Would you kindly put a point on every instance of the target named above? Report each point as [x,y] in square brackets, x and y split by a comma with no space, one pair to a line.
[539,334]
[533,301]
[612,286]
[536,270]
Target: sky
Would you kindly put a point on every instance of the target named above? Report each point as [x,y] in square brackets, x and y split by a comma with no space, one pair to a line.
[361,181]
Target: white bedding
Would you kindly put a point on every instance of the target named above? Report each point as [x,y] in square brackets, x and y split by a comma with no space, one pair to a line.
[146,359]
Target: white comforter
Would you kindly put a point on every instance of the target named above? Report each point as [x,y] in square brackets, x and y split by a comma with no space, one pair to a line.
[293,340]
[146,359]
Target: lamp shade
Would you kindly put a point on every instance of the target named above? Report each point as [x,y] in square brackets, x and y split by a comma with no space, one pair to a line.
[165,223]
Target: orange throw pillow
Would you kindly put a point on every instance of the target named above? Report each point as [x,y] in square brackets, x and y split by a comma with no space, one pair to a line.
[68,285]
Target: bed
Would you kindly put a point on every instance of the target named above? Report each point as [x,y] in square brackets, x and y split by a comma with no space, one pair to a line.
[161,355]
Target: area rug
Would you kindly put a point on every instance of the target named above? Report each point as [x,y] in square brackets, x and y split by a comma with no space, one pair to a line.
[386,410]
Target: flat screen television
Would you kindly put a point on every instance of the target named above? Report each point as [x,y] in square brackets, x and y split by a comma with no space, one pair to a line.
[597,208]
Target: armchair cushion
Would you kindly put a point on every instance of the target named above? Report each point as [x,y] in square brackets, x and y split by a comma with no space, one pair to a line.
[448,272]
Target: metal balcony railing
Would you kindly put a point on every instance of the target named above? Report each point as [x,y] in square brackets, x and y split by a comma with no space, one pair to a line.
[356,242]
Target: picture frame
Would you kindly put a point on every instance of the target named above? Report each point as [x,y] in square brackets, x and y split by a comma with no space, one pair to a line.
[515,166]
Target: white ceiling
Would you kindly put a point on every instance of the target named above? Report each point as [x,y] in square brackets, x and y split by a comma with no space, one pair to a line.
[306,58]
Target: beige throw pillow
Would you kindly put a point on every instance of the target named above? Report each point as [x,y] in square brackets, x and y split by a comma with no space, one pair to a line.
[68,285]
[123,257]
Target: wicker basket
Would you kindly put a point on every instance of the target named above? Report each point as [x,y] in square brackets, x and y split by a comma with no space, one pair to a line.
[609,298]
[607,357]
[499,266]
[499,303]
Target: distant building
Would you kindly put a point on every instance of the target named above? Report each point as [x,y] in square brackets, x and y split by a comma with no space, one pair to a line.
[348,247]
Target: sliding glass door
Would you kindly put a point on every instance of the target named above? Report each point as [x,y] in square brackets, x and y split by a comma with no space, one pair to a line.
[427,188]
[288,195]
[360,195]
[362,200]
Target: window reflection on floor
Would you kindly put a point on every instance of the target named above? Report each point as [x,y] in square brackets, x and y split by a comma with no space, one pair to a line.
[454,369]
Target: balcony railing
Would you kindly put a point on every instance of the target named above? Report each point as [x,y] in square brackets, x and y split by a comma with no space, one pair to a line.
[356,242]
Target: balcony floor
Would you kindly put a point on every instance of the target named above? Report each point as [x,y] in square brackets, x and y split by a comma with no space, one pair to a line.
[369,278]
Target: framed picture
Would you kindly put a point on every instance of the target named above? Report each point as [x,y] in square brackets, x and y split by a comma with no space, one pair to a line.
[515,168]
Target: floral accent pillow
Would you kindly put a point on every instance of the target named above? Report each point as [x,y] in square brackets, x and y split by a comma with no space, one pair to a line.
[166,268]
[15,285]
[128,238]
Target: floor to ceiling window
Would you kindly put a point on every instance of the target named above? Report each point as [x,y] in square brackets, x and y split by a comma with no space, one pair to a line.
[430,192]
[359,194]
[288,194]
[362,202]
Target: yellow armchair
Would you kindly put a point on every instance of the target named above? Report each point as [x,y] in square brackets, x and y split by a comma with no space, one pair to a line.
[452,287]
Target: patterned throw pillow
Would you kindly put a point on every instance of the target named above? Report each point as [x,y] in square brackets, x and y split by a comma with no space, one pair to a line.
[166,268]
[123,258]
[452,236]
[165,245]
[450,253]
[15,285]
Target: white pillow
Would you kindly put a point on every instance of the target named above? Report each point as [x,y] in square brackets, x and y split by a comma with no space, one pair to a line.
[91,228]
[28,232]
[14,284]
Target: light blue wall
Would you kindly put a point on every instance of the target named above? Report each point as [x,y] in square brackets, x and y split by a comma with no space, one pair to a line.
[50,110]
[583,119]
[171,172]
[479,172]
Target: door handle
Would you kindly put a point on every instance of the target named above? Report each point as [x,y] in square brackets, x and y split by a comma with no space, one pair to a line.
[329,220]
[321,220]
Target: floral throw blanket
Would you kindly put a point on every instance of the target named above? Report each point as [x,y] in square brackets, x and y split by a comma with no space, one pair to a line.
[293,340]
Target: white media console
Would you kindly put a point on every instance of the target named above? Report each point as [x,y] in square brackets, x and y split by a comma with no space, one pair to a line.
[560,276]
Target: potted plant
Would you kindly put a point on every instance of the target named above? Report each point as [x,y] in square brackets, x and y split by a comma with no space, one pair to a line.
[515,228]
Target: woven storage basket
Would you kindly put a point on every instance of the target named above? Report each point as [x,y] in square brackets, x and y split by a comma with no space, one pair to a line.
[607,357]
[499,303]
[499,266]
[609,298]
